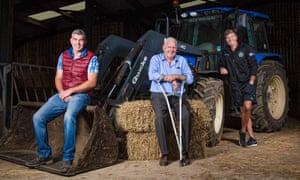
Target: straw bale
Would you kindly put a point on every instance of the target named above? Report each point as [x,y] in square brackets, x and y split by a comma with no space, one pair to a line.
[200,117]
[135,116]
[144,145]
[138,116]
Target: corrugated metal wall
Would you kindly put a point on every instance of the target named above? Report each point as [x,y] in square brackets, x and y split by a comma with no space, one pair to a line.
[284,38]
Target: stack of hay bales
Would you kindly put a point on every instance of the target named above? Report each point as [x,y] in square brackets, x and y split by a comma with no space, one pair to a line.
[135,120]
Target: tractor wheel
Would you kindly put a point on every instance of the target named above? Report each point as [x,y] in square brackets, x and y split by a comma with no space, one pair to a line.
[211,92]
[270,112]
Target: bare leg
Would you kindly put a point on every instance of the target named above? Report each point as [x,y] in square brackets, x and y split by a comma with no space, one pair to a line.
[250,128]
[246,118]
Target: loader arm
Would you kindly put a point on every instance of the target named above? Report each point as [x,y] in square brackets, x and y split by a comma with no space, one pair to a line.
[128,80]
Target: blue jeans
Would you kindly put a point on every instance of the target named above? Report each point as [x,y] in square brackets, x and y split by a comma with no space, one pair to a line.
[49,111]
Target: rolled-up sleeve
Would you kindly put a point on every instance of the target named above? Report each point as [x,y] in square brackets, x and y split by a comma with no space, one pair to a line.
[154,69]
[187,72]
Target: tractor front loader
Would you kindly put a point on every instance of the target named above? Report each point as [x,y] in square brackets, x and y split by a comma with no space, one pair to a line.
[96,143]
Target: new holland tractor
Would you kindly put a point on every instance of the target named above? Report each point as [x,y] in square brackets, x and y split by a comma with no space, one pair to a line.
[200,41]
[123,77]
[204,29]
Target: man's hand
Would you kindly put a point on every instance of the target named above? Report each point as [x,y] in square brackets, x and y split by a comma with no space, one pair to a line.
[223,71]
[66,99]
[169,78]
[66,95]
[174,77]
[175,85]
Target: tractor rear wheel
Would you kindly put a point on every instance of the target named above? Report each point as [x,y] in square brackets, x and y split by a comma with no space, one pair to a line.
[211,92]
[270,112]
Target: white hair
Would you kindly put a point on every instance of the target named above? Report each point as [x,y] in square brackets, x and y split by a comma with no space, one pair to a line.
[169,39]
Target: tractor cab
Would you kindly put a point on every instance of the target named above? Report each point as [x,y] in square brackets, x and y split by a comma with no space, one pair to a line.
[204,28]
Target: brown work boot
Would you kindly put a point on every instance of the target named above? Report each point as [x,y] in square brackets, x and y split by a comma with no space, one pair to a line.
[163,161]
[66,166]
[39,161]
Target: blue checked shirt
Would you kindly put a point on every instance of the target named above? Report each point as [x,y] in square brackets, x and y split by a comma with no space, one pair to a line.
[159,67]
[93,65]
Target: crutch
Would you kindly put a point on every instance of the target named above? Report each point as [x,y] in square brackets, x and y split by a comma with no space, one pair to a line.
[178,140]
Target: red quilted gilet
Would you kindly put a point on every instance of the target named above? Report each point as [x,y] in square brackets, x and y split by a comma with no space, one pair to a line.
[75,72]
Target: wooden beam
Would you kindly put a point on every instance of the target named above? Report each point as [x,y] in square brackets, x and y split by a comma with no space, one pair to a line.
[136,4]
[6,35]
[6,19]
[66,14]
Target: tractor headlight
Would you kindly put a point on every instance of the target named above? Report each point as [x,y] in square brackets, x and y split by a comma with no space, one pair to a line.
[184,15]
[193,14]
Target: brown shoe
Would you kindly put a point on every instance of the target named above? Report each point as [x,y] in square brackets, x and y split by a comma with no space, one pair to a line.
[163,161]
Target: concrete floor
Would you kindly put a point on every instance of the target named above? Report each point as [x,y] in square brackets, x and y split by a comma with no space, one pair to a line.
[277,156]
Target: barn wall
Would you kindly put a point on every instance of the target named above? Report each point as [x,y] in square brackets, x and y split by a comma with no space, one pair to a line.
[45,51]
[284,38]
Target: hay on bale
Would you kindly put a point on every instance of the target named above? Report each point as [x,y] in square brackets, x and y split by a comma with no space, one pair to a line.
[200,120]
[135,116]
[143,145]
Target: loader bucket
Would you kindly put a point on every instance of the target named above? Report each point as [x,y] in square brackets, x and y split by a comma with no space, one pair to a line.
[96,143]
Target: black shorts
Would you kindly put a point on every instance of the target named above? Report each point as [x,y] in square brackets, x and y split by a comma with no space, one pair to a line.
[243,92]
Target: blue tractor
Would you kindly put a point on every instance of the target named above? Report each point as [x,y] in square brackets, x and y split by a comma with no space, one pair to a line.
[200,39]
[203,28]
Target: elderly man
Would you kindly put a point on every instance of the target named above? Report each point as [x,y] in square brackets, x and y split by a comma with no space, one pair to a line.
[171,70]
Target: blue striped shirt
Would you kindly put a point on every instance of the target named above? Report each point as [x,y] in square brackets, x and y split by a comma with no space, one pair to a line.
[159,67]
[93,67]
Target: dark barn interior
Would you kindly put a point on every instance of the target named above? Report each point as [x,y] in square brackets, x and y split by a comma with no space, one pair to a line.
[28,40]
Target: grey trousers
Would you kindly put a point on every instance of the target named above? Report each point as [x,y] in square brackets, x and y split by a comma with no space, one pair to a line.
[160,108]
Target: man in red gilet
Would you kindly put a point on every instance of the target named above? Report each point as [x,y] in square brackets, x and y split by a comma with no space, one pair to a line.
[76,76]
